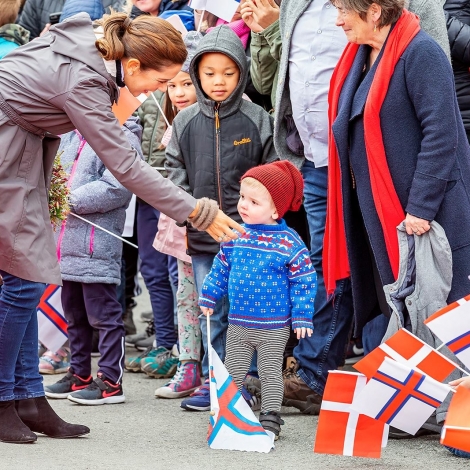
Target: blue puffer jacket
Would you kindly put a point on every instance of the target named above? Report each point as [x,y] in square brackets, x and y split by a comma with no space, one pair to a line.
[90,255]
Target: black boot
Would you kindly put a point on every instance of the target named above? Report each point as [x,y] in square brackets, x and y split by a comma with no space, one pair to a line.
[271,421]
[40,417]
[12,429]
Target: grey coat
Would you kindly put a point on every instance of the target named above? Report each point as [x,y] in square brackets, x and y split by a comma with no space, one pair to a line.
[423,285]
[90,255]
[432,21]
[58,83]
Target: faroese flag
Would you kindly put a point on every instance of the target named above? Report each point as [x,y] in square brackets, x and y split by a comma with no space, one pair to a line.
[233,425]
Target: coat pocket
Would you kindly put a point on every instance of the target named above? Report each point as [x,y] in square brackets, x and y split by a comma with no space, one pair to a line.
[32,152]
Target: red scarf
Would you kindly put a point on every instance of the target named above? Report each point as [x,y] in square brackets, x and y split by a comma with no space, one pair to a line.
[387,204]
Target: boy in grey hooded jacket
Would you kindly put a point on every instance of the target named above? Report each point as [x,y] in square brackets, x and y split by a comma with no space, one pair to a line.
[214,142]
[90,264]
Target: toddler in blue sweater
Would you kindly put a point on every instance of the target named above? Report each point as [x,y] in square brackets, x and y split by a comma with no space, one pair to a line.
[270,282]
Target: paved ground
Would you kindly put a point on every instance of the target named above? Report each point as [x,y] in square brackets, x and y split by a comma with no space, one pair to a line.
[150,434]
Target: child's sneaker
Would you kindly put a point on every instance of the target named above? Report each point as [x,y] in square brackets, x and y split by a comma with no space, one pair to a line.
[199,400]
[54,363]
[271,421]
[68,384]
[134,364]
[162,366]
[185,381]
[100,392]
[253,401]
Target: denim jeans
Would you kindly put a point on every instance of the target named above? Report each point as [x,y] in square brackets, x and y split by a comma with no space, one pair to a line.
[19,362]
[202,264]
[332,319]
[459,453]
[159,271]
[373,333]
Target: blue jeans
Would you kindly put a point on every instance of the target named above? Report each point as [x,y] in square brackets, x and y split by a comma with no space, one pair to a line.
[159,271]
[202,264]
[325,349]
[373,333]
[19,362]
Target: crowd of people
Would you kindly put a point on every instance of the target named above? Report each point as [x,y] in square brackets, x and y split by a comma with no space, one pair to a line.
[273,159]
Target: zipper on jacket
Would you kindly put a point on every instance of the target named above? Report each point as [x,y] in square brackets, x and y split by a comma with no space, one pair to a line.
[217,152]
[92,241]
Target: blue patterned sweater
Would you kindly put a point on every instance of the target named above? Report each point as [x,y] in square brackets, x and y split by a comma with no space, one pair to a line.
[268,276]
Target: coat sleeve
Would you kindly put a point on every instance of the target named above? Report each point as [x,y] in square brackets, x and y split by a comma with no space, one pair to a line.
[430,84]
[174,162]
[30,19]
[216,282]
[302,288]
[264,64]
[89,108]
[266,130]
[459,39]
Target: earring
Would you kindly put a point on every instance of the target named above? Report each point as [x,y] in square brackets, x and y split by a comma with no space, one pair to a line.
[375,28]
[130,73]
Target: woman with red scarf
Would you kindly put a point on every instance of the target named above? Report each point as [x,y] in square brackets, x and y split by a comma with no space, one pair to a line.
[398,152]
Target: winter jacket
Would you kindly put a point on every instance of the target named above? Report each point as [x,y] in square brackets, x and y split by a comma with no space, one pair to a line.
[458,28]
[11,37]
[57,83]
[35,14]
[153,129]
[428,157]
[90,255]
[430,12]
[166,5]
[209,162]
[265,56]
[423,285]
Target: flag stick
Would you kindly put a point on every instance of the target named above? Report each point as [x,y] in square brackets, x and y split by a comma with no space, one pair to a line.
[104,230]
[200,21]
[160,109]
[209,345]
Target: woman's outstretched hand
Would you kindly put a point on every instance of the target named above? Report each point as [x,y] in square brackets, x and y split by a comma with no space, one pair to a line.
[415,225]
[222,228]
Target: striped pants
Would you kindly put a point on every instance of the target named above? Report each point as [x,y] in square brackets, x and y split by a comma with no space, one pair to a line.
[270,344]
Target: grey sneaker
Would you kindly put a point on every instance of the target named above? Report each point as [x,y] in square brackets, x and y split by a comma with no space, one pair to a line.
[145,343]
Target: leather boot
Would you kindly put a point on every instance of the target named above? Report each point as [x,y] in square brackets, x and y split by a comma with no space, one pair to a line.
[40,417]
[12,429]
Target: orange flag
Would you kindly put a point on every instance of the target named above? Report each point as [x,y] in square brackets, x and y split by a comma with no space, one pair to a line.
[456,430]
[127,104]
[342,430]
[407,349]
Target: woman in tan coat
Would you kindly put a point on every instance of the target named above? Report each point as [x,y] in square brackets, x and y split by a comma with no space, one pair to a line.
[65,80]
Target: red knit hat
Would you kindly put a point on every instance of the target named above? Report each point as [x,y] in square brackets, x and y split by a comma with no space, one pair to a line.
[284,183]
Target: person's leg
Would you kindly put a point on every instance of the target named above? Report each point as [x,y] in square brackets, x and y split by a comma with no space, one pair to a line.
[79,330]
[104,314]
[325,349]
[19,361]
[270,347]
[239,353]
[154,269]
[189,331]
[202,264]
[373,332]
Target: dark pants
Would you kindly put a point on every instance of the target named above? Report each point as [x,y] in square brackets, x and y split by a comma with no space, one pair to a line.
[88,306]
[159,271]
[325,349]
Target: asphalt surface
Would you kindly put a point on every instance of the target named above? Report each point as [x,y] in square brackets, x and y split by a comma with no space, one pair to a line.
[146,433]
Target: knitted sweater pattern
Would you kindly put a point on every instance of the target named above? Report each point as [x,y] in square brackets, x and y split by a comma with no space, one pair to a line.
[268,276]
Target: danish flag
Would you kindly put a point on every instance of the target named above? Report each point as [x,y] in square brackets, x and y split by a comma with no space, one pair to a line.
[232,426]
[51,321]
[456,429]
[342,430]
[400,396]
[405,348]
[451,325]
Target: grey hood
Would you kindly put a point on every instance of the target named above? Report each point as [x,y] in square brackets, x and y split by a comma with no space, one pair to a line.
[221,39]
[72,37]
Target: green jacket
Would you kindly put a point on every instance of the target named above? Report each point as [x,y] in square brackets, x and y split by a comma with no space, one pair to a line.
[154,127]
[265,56]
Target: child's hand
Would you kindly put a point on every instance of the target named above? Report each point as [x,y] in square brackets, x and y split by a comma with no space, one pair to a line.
[207,311]
[464,382]
[302,331]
